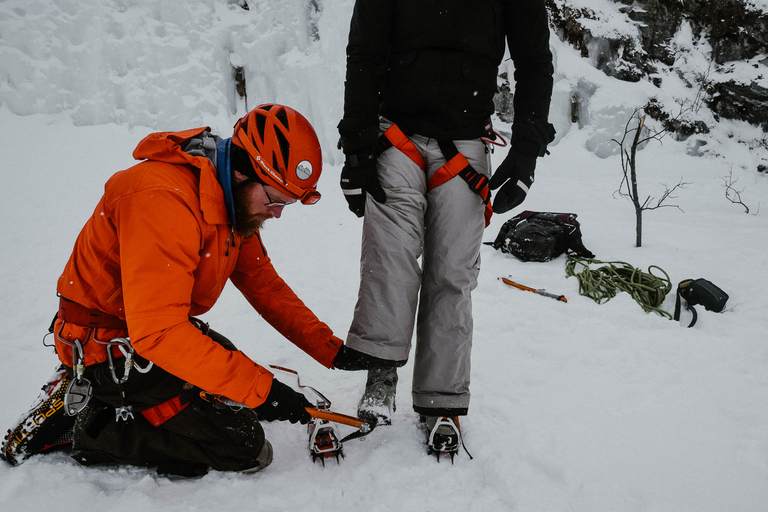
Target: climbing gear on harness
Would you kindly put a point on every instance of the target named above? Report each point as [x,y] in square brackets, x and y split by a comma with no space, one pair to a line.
[541,291]
[699,291]
[456,165]
[602,284]
[284,150]
[79,390]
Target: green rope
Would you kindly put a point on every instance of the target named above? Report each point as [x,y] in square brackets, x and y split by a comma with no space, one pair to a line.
[603,283]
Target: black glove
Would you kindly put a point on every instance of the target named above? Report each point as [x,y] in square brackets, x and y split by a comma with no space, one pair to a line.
[352,360]
[515,177]
[284,404]
[358,176]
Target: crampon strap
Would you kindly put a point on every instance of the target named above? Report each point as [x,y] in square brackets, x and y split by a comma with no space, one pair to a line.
[456,165]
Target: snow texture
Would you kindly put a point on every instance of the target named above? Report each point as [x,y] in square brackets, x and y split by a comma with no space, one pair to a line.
[576,406]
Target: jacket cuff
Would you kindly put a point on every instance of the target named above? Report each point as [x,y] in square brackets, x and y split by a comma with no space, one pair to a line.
[530,136]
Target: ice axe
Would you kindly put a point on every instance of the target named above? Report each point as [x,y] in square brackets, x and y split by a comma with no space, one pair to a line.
[542,292]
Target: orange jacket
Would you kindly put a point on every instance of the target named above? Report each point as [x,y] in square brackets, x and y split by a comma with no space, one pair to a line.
[159,248]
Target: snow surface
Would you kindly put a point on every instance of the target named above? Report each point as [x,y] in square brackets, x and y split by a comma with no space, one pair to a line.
[576,406]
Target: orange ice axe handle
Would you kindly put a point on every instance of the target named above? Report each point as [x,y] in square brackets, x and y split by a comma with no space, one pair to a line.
[339,418]
[543,293]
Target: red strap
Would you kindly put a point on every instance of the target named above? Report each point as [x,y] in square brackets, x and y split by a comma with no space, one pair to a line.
[399,140]
[451,168]
[77,314]
[161,413]
[477,182]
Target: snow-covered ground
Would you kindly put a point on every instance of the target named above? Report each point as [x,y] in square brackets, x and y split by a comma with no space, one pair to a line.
[575,406]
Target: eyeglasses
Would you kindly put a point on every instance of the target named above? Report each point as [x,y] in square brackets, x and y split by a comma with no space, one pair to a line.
[306,196]
[275,203]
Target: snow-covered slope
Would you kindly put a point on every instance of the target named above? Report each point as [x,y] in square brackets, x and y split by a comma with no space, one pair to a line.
[576,406]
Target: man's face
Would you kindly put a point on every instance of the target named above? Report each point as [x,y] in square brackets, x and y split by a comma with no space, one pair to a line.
[255,203]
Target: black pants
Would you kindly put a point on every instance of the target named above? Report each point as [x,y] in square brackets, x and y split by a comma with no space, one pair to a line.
[199,437]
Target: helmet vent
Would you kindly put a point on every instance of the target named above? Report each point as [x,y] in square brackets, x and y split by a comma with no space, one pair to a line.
[282,116]
[285,146]
[261,123]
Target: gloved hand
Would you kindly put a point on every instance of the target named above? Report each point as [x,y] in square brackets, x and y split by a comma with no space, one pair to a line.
[351,360]
[358,176]
[284,404]
[515,177]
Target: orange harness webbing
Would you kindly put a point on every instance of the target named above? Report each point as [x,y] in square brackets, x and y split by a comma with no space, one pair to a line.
[161,413]
[456,164]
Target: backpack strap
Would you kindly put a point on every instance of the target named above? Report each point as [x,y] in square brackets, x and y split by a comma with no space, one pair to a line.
[678,299]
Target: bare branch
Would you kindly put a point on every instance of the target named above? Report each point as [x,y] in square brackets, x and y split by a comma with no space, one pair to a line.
[668,195]
[731,193]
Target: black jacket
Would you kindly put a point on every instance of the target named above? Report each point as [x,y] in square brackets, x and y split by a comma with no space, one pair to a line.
[431,66]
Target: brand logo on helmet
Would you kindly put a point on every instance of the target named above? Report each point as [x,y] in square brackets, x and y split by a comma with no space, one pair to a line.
[304,170]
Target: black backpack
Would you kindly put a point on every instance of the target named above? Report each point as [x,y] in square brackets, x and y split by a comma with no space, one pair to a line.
[541,236]
[699,291]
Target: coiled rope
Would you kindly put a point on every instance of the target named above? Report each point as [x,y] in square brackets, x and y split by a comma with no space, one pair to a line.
[603,283]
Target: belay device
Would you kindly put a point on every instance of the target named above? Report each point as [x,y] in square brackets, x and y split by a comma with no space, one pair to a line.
[699,291]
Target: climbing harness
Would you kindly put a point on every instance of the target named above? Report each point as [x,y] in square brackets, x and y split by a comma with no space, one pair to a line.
[603,283]
[456,165]
[80,390]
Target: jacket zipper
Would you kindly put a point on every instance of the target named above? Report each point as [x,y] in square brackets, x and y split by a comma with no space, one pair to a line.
[230,237]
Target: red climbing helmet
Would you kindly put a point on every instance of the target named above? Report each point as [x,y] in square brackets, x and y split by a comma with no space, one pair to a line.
[283,148]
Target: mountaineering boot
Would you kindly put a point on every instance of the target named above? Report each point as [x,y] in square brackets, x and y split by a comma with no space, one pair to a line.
[44,426]
[378,402]
[443,435]
[263,460]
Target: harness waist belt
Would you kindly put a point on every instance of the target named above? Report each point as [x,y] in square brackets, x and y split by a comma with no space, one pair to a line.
[74,313]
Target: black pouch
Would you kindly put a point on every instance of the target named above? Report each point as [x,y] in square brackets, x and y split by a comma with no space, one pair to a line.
[699,292]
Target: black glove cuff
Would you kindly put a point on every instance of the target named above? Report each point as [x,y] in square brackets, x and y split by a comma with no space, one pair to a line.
[531,136]
[360,159]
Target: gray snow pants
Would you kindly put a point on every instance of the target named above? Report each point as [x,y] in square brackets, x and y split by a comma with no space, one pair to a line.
[443,227]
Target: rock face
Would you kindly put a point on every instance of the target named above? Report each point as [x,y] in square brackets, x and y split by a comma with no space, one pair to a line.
[736,31]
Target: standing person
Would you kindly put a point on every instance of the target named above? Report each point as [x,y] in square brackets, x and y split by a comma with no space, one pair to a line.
[419,89]
[157,251]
